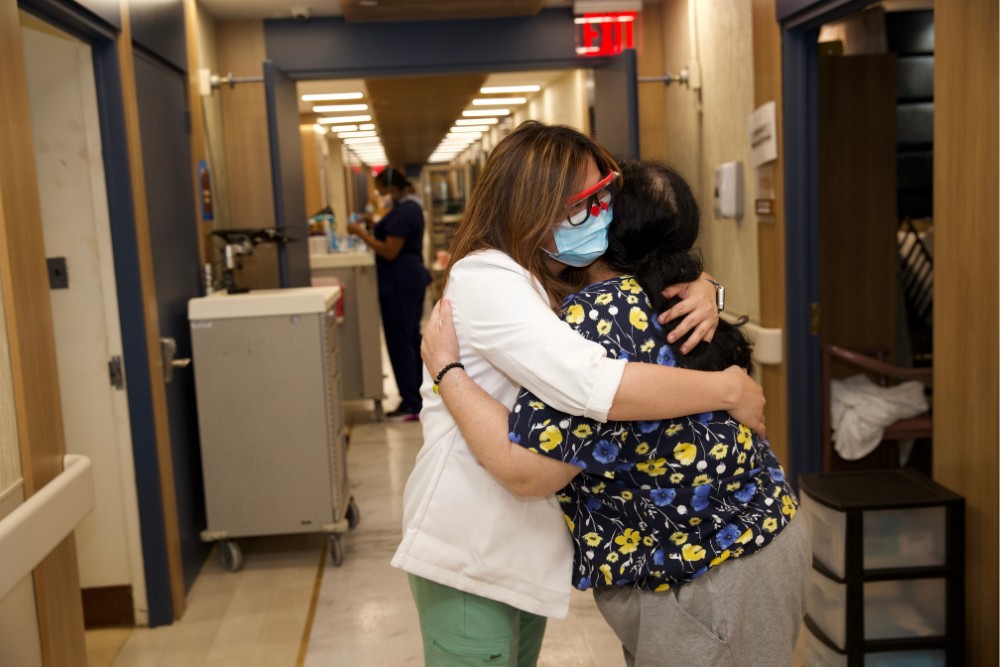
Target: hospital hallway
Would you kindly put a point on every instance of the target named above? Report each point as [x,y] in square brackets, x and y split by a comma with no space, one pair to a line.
[289,605]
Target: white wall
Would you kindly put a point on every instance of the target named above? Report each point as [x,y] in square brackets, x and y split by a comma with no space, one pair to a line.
[708,128]
[562,102]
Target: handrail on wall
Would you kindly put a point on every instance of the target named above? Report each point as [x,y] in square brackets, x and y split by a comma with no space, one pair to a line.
[37,526]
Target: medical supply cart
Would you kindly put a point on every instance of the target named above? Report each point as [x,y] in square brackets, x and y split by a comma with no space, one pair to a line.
[361,332]
[270,415]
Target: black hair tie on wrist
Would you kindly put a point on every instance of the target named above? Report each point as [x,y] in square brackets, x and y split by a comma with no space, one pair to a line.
[437,381]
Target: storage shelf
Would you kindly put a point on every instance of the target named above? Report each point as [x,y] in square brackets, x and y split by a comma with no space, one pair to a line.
[888,568]
[888,574]
[880,645]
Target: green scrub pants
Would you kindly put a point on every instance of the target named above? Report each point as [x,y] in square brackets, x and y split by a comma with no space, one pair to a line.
[461,629]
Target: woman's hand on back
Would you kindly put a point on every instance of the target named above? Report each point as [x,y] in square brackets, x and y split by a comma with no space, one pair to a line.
[697,307]
[748,397]
[439,346]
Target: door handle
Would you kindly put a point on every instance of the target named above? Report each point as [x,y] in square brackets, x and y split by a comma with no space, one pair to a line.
[168,348]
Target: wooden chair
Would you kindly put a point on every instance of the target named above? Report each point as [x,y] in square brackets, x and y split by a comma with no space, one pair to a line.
[914,428]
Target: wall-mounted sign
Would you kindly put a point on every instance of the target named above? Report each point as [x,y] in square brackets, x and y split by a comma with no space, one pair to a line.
[763,131]
[606,33]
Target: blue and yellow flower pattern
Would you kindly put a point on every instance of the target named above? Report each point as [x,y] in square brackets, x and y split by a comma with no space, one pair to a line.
[658,502]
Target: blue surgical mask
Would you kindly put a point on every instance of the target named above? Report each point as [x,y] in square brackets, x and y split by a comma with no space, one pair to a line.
[581,245]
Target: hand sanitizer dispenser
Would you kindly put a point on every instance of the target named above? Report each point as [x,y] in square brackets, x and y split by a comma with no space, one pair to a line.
[728,193]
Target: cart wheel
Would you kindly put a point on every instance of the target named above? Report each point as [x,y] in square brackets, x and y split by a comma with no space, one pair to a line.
[379,411]
[353,514]
[336,550]
[230,555]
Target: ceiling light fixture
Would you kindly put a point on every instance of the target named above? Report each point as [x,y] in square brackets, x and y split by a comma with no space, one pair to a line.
[470,128]
[355,135]
[336,108]
[331,97]
[486,112]
[343,128]
[498,101]
[332,120]
[494,90]
[367,126]
[363,140]
[462,135]
[477,121]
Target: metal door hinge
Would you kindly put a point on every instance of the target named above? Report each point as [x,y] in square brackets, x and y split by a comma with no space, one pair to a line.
[116,373]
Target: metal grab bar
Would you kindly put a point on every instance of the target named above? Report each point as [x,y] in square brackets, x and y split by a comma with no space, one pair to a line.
[39,524]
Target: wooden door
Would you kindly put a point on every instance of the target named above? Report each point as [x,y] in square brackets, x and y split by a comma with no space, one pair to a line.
[857,201]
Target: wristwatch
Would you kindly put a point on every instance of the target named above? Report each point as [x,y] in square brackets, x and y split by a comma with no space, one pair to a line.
[720,295]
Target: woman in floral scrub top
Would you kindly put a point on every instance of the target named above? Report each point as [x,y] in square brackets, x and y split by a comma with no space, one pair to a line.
[654,505]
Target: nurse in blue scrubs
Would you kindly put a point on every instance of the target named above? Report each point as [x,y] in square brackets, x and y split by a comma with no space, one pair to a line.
[397,240]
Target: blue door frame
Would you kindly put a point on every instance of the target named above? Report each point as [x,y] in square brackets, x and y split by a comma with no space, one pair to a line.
[800,22]
[102,38]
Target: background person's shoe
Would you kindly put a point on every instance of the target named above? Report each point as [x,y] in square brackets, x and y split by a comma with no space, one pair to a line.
[402,411]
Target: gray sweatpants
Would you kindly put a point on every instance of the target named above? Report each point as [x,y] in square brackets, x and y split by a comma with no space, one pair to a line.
[745,612]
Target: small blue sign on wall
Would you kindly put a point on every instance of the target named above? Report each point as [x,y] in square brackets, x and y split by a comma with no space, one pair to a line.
[205,189]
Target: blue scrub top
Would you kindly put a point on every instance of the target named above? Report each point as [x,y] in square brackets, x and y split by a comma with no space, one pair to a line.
[407,271]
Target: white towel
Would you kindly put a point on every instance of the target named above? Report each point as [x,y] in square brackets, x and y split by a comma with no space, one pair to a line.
[860,410]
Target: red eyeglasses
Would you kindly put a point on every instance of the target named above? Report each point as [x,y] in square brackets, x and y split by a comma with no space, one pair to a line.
[591,201]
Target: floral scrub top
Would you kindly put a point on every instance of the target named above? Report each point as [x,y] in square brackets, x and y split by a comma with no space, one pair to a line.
[658,502]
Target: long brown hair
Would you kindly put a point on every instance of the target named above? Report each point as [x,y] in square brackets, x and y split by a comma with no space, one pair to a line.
[521,192]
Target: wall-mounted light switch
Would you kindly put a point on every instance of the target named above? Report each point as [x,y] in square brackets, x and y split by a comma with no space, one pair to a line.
[58,275]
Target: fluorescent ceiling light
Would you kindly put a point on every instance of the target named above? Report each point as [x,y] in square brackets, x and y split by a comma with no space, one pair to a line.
[363,140]
[470,128]
[355,135]
[319,129]
[331,97]
[367,126]
[343,128]
[477,121]
[462,135]
[337,108]
[486,112]
[343,119]
[497,101]
[494,90]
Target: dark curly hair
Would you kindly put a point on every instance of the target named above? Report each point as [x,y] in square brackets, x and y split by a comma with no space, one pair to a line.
[656,224]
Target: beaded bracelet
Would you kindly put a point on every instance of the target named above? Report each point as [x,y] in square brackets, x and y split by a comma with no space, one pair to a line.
[437,380]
